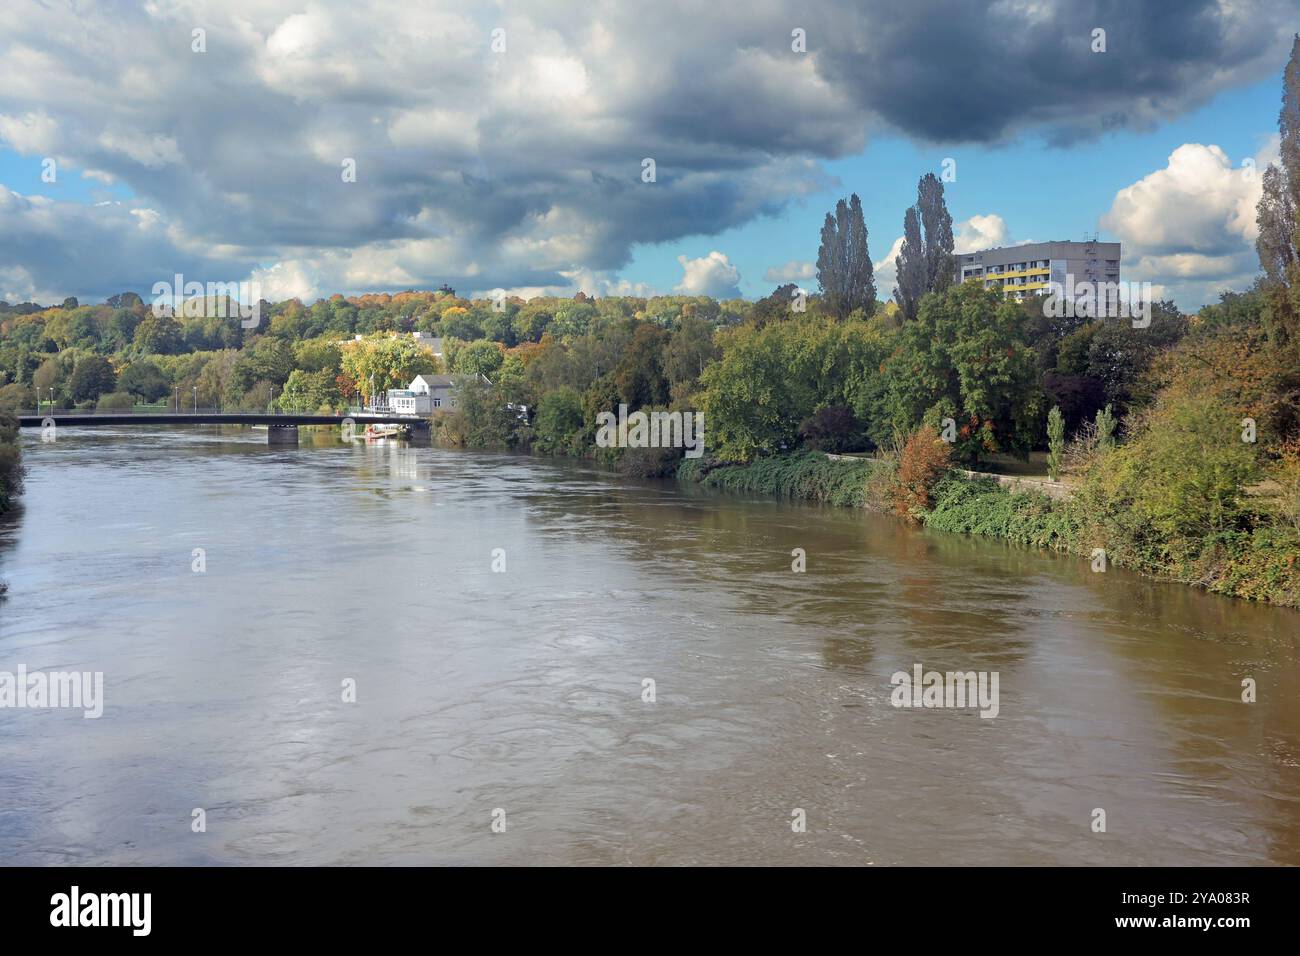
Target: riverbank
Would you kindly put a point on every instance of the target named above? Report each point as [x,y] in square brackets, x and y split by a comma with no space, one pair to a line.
[1260,564]
[11,470]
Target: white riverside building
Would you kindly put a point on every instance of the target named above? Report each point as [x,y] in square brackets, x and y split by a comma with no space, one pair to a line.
[1030,269]
[425,395]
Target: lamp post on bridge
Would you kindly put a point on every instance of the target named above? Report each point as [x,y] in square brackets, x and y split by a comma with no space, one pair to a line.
[176,403]
[196,399]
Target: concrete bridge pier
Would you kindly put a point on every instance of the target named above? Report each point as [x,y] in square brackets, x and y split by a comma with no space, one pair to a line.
[420,433]
[282,434]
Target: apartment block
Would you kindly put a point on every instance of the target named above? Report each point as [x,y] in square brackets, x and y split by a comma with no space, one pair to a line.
[1019,271]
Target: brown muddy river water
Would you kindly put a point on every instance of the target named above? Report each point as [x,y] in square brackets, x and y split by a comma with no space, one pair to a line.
[519,696]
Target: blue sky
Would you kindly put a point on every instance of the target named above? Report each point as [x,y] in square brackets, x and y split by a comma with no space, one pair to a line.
[1043,192]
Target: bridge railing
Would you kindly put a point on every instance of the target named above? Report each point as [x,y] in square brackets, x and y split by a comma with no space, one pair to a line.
[205,410]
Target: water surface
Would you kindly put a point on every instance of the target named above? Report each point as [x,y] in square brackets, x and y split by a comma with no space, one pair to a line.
[522,691]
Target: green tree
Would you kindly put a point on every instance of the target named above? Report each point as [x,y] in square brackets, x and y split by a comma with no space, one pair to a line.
[937,223]
[478,358]
[115,402]
[559,424]
[145,380]
[1055,442]
[689,351]
[910,266]
[488,422]
[965,357]
[844,269]
[309,391]
[639,373]
[92,378]
[265,359]
[159,335]
[748,405]
[1105,425]
[48,377]
[1180,478]
[1278,244]
[926,262]
[383,362]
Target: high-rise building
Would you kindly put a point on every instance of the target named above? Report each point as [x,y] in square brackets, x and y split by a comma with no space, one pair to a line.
[1019,271]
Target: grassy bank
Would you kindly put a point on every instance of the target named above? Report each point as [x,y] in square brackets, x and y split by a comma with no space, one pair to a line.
[1261,564]
[809,476]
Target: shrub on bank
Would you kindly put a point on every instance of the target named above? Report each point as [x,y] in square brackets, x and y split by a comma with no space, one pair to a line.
[807,475]
[922,461]
[982,506]
[116,402]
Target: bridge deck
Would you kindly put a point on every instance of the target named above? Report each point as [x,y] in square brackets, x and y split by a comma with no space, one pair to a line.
[80,419]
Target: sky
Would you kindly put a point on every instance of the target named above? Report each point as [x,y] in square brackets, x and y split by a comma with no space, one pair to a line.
[504,146]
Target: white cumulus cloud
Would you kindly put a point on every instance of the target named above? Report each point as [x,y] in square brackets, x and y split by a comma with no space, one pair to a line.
[709,275]
[795,270]
[1191,226]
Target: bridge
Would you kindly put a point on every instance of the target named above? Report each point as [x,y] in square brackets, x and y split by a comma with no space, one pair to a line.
[281,427]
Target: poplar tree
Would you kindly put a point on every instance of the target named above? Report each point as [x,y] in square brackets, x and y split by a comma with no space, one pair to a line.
[844,270]
[1278,244]
[910,266]
[926,262]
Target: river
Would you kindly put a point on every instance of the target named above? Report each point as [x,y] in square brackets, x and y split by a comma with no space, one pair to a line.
[517,697]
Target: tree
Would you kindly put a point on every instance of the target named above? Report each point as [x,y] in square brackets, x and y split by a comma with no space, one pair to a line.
[844,269]
[1105,425]
[910,266]
[115,402]
[488,422]
[832,428]
[309,391]
[937,223]
[48,377]
[689,351]
[478,358]
[965,357]
[159,335]
[92,378]
[926,262]
[145,380]
[559,422]
[1055,442]
[1181,477]
[1278,244]
[266,359]
[377,364]
[639,374]
[457,323]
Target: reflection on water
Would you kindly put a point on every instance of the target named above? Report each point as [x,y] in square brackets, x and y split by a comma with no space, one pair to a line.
[522,690]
